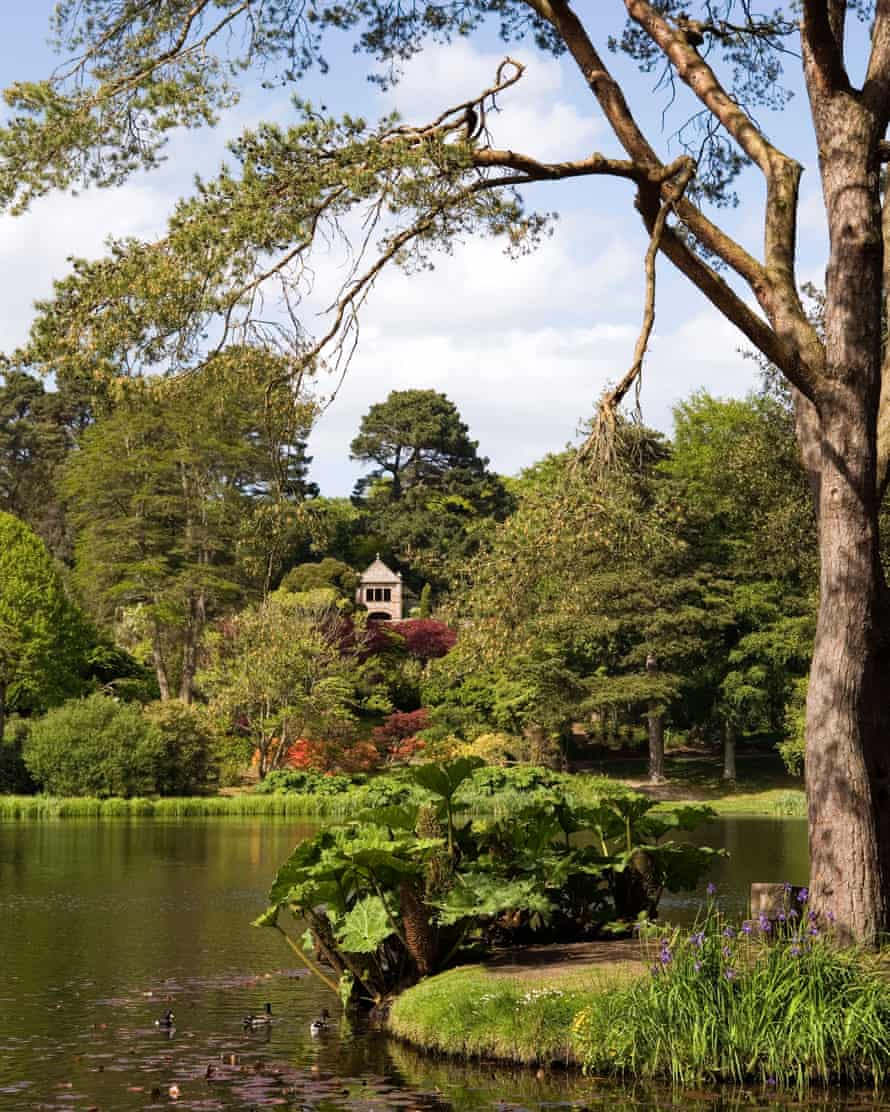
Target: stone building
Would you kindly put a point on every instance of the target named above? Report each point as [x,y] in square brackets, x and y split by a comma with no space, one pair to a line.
[381,592]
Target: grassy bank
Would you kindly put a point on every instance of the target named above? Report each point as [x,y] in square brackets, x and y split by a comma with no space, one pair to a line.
[493,793]
[40,807]
[781,1005]
[474,1012]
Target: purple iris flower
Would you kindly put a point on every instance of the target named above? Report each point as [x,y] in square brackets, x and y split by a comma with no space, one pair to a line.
[711,889]
[803,895]
[729,974]
[747,927]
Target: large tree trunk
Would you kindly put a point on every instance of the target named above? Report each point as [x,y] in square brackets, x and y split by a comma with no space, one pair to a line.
[847,718]
[160,664]
[655,723]
[846,760]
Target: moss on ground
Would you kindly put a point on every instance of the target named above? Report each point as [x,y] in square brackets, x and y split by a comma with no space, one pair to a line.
[475,1012]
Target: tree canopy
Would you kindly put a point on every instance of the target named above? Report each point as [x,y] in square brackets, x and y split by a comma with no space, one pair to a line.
[430,495]
[44,639]
[181,500]
[135,69]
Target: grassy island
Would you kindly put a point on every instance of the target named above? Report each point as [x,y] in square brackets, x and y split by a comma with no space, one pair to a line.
[775,1002]
[522,1017]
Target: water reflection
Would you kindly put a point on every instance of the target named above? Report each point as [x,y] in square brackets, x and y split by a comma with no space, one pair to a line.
[106,925]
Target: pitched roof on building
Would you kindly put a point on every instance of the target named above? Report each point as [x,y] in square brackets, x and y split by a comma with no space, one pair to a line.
[378,572]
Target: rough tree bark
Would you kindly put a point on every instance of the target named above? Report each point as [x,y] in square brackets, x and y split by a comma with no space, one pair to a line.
[847,711]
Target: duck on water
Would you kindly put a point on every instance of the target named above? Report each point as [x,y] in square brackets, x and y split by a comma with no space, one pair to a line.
[253,1022]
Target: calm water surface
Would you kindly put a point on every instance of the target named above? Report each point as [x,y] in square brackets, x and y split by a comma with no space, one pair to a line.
[104,925]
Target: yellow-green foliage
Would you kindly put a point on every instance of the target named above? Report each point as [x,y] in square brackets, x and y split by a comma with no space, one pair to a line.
[475,1012]
[494,748]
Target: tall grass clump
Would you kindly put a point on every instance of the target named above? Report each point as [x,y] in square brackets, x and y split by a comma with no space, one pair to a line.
[779,1002]
[46,807]
[791,803]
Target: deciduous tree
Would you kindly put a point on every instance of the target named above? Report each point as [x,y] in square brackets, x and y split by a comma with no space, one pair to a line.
[44,639]
[278,673]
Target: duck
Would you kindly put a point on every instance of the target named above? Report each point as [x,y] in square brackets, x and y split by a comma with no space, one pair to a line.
[320,1024]
[166,1020]
[261,1020]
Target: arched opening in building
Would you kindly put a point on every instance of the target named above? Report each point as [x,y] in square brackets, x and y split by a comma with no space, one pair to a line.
[379,616]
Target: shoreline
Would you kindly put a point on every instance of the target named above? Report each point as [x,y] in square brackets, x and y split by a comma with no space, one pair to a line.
[775,803]
[513,1016]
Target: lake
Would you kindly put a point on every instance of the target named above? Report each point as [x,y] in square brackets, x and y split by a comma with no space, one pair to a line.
[105,925]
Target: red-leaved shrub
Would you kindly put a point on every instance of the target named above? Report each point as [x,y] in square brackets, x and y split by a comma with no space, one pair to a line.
[427,639]
[395,738]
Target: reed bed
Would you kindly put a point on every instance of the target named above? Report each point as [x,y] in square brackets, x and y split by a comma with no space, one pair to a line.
[43,807]
[779,1003]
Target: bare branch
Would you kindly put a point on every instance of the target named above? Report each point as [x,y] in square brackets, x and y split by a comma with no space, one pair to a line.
[601,440]
[822,32]
[876,90]
[616,110]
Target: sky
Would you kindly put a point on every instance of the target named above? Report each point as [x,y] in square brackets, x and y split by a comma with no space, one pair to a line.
[524,348]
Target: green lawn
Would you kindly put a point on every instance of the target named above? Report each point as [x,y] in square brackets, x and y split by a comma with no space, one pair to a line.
[475,1012]
[763,785]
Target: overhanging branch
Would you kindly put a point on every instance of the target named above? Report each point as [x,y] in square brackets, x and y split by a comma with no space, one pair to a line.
[601,441]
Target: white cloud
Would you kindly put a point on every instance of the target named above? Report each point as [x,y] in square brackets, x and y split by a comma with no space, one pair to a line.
[34,248]
[523,347]
[536,115]
[524,391]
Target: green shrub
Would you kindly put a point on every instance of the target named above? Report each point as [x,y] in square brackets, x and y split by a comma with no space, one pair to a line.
[99,747]
[793,745]
[304,782]
[392,899]
[186,759]
[490,781]
[96,747]
[782,1004]
[391,790]
[14,776]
